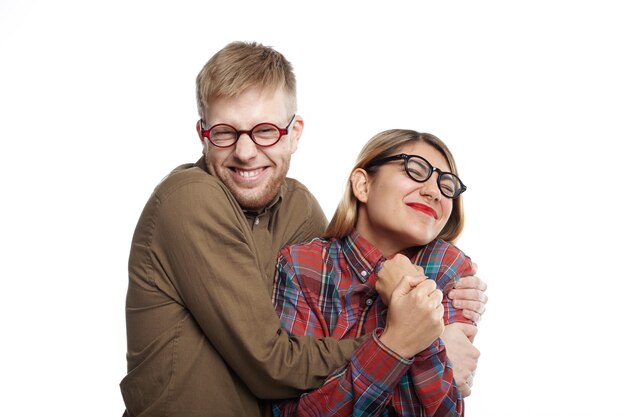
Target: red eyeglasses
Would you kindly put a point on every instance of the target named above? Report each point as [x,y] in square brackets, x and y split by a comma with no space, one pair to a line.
[264,134]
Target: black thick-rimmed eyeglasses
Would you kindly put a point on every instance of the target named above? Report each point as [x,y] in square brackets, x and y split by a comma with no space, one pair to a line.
[264,134]
[420,170]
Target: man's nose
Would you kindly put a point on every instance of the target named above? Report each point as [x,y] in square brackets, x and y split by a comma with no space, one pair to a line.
[245,148]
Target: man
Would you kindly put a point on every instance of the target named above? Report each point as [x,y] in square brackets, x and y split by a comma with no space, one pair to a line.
[203,336]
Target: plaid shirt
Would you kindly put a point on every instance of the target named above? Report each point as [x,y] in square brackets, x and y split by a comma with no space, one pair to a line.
[326,289]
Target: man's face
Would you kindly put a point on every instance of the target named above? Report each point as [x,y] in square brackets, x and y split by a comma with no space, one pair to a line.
[252,173]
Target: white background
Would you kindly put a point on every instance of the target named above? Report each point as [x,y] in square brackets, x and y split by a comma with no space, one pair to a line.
[97,104]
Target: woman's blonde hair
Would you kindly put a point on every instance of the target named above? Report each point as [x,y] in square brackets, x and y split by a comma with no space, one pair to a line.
[241,65]
[382,145]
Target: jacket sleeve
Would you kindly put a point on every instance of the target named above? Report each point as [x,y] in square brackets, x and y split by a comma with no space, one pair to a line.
[204,247]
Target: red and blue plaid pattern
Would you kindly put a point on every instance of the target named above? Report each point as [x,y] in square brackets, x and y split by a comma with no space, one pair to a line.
[326,289]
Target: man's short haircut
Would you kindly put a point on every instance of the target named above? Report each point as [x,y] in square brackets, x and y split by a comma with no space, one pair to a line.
[241,65]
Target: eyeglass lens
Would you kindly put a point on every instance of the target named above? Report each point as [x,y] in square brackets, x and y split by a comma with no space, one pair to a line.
[263,134]
[420,170]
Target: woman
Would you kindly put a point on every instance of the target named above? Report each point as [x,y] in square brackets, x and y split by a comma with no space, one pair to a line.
[403,202]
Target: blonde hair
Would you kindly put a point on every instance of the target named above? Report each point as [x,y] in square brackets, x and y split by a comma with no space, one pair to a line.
[241,65]
[382,145]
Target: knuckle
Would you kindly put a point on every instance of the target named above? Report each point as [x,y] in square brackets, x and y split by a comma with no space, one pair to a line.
[472,330]
[473,366]
[471,315]
[401,258]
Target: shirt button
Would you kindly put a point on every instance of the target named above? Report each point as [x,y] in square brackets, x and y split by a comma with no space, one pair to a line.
[369,301]
[256,221]
[363,273]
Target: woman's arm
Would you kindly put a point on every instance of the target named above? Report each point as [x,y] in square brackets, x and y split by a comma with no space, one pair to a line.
[429,384]
[366,384]
[468,294]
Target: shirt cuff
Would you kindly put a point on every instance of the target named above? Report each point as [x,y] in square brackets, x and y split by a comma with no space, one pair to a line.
[435,348]
[381,366]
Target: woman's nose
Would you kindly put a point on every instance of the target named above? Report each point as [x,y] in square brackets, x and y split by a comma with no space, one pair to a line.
[431,188]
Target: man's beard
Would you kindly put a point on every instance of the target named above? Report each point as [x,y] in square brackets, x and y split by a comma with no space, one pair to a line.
[258,197]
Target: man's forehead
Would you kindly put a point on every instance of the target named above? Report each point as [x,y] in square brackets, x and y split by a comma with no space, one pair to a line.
[249,106]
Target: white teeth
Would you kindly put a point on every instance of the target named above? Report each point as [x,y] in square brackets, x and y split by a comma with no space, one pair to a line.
[248,174]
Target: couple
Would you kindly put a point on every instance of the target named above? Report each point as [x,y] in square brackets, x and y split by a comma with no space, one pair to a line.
[203,336]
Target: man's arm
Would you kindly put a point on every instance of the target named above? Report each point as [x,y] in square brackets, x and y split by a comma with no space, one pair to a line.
[469,295]
[458,338]
[446,264]
[205,252]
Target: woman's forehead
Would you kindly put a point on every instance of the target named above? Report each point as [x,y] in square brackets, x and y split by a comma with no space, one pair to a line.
[427,151]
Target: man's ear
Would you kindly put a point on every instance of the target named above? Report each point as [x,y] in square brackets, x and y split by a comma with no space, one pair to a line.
[296,132]
[204,141]
[199,130]
[360,181]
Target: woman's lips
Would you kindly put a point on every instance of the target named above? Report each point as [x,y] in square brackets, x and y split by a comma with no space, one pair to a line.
[424,208]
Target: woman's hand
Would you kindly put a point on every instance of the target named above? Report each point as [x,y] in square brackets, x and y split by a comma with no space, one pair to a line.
[414,318]
[391,273]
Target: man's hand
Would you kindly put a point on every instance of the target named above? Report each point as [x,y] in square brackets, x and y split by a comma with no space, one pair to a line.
[391,273]
[415,316]
[469,295]
[462,354]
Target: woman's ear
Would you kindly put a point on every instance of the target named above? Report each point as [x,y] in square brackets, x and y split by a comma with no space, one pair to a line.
[360,181]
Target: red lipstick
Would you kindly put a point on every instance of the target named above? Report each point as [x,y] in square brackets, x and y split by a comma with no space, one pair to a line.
[424,208]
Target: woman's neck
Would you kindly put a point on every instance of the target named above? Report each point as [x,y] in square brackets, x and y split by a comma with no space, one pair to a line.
[389,247]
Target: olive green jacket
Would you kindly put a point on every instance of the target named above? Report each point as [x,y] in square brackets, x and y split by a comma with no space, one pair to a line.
[203,336]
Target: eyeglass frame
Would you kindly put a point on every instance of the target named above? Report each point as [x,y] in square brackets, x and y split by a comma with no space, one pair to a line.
[206,133]
[432,169]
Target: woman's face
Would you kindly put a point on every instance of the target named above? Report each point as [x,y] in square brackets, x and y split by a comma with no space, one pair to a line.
[397,212]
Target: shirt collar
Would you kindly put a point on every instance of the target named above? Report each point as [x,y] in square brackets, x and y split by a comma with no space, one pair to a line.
[268,208]
[361,255]
[364,258]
